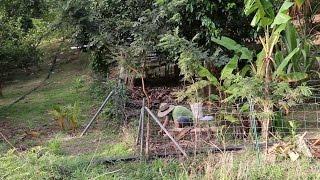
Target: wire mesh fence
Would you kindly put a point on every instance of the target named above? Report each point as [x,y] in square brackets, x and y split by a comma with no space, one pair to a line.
[230,128]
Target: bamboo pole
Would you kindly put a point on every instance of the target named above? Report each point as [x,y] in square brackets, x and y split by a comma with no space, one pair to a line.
[165,130]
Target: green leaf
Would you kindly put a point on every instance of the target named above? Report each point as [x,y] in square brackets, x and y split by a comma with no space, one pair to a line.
[226,42]
[214,97]
[204,72]
[263,10]
[280,28]
[282,17]
[285,6]
[228,69]
[250,7]
[231,119]
[245,70]
[230,44]
[299,3]
[268,8]
[293,77]
[278,58]
[291,37]
[265,21]
[245,107]
[284,63]
[260,63]
[160,2]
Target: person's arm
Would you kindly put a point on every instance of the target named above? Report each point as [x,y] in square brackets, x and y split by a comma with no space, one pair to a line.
[165,124]
[166,121]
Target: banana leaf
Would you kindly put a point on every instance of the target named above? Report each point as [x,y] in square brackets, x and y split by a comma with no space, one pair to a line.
[291,36]
[263,9]
[284,63]
[282,17]
[228,69]
[245,70]
[232,45]
[260,64]
[204,72]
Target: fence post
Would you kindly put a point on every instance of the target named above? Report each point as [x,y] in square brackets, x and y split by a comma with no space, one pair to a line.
[147,138]
[254,127]
[142,129]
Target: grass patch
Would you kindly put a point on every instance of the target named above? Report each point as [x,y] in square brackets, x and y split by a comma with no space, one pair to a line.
[40,163]
[33,110]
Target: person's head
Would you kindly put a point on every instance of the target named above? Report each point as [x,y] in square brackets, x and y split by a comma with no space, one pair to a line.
[165,109]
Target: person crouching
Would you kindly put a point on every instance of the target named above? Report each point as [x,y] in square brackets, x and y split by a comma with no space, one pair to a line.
[181,116]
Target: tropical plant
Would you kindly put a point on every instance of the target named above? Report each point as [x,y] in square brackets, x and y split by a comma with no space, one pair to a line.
[268,85]
[59,114]
[66,116]
[304,59]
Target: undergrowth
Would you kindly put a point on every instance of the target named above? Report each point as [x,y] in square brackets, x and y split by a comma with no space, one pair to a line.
[42,163]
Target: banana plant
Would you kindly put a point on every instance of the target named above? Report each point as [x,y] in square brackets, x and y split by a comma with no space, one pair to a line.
[303,60]
[271,68]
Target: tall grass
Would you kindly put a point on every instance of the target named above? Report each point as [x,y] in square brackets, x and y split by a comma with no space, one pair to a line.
[246,165]
[40,163]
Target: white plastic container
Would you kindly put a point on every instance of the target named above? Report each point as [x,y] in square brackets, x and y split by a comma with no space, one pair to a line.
[196,109]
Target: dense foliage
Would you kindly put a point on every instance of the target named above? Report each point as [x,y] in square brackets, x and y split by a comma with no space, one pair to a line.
[21,29]
[265,82]
[126,31]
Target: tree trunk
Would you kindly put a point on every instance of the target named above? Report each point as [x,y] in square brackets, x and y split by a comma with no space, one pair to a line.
[265,124]
[267,104]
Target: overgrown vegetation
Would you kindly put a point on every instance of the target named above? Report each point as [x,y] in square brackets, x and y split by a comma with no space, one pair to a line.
[38,163]
[257,52]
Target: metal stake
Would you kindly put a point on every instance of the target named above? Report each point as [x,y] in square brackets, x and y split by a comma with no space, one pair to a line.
[142,129]
[165,130]
[97,113]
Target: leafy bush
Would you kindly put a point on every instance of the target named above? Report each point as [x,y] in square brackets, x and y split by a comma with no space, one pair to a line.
[19,37]
[127,28]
